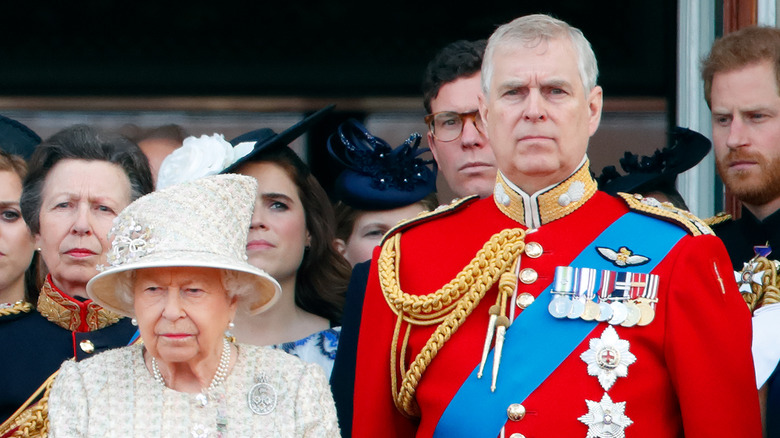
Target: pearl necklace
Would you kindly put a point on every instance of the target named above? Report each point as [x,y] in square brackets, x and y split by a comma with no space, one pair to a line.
[219,376]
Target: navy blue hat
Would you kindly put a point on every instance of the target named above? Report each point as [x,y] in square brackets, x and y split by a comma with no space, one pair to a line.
[265,138]
[17,139]
[646,173]
[378,177]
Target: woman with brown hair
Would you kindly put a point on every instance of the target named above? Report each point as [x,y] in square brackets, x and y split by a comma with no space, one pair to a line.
[290,237]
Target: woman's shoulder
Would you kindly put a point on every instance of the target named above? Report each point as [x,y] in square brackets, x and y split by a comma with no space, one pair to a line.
[107,362]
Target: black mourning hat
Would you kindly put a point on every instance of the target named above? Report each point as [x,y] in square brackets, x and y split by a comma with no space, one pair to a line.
[265,138]
[16,138]
[376,176]
[645,173]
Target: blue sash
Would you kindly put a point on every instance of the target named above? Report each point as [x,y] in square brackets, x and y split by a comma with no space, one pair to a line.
[526,360]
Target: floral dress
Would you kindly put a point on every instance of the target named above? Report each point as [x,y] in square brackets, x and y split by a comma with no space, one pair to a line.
[319,348]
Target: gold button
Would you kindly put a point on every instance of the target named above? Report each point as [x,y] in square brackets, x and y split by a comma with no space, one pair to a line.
[87,346]
[524,300]
[533,249]
[517,435]
[528,275]
[515,412]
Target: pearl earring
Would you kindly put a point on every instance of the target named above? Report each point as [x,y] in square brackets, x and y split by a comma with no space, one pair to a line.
[228,333]
[134,322]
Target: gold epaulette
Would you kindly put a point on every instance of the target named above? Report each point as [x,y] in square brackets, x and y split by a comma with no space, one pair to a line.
[666,211]
[718,219]
[425,216]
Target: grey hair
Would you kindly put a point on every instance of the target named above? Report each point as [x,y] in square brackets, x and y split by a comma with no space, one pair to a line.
[234,283]
[532,30]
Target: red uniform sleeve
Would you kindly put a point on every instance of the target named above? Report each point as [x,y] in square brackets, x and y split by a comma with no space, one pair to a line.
[707,343]
[375,414]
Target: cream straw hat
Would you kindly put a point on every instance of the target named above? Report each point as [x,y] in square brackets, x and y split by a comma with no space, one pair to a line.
[202,223]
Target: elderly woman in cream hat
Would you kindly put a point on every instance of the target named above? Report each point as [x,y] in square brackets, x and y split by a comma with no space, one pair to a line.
[178,267]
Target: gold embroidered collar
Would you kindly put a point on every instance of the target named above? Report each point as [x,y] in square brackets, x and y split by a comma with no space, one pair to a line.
[548,204]
[72,314]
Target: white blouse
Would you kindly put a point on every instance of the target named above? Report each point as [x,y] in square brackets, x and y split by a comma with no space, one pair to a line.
[268,393]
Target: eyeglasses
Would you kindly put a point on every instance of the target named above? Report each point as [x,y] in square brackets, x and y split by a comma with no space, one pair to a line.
[448,125]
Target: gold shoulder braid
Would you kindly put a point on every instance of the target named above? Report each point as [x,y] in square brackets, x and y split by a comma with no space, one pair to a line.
[717,219]
[668,212]
[16,308]
[449,306]
[428,215]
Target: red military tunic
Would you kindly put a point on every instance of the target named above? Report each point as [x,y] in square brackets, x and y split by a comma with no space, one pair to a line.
[693,374]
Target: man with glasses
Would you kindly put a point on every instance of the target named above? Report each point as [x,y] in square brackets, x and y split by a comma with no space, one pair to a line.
[451,86]
[551,309]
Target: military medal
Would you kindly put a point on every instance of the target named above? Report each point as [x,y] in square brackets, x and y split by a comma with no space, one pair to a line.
[637,286]
[647,314]
[633,314]
[619,312]
[606,419]
[605,311]
[586,281]
[646,302]
[559,306]
[620,295]
[563,286]
[591,312]
[577,308]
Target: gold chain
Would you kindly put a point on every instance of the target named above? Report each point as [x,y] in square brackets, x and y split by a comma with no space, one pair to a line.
[448,306]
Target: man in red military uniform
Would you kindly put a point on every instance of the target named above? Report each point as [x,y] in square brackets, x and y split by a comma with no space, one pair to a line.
[551,309]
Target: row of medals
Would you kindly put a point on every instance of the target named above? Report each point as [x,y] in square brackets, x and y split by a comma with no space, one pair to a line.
[619,311]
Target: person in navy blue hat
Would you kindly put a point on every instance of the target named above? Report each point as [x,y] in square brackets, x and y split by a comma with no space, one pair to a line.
[17,139]
[379,187]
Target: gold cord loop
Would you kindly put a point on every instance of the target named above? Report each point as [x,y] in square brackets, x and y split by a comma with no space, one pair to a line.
[448,307]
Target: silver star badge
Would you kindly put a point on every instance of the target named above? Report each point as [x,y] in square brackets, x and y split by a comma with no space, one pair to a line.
[606,419]
[608,357]
[748,276]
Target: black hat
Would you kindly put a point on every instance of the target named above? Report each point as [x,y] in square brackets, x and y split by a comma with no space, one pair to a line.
[378,177]
[265,138]
[17,139]
[645,173]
